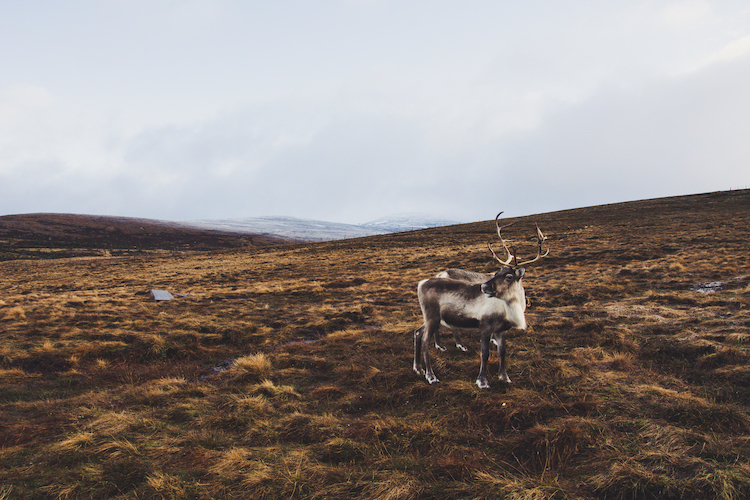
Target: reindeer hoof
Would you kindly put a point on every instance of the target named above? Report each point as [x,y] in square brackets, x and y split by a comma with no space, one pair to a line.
[462,347]
[440,347]
[432,380]
[483,384]
[505,378]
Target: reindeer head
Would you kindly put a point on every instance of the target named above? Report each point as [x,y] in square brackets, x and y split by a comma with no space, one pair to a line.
[505,283]
[506,286]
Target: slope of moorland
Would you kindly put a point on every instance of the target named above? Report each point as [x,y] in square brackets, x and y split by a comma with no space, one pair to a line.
[286,371]
[44,236]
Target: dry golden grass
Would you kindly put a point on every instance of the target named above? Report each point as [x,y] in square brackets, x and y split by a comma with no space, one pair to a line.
[14,313]
[286,373]
[254,367]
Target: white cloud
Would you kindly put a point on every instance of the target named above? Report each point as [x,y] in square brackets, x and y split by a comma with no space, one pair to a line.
[737,49]
[687,13]
[18,101]
[681,135]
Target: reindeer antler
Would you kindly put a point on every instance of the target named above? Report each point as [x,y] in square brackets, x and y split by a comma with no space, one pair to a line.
[511,255]
[540,238]
[511,252]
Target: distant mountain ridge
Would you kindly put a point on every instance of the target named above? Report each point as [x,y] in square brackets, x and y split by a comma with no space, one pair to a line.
[50,235]
[316,230]
[44,235]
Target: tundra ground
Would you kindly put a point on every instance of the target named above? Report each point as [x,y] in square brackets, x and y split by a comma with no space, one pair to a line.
[286,371]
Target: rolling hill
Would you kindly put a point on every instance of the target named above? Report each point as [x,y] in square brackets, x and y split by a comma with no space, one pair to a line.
[42,236]
[286,371]
[38,236]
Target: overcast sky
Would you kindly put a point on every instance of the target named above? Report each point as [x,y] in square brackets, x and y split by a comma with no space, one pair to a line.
[350,110]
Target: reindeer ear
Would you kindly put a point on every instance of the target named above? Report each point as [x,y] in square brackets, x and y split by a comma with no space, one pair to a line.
[519,273]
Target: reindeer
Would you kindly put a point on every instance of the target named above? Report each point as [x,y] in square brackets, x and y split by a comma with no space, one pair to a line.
[474,277]
[489,303]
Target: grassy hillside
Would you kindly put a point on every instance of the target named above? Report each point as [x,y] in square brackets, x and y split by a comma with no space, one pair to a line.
[286,373]
[45,236]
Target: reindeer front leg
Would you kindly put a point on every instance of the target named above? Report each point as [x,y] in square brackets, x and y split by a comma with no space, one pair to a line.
[485,356]
[502,375]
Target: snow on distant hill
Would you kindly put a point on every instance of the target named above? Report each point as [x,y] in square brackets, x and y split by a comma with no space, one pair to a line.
[287,227]
[315,230]
[407,222]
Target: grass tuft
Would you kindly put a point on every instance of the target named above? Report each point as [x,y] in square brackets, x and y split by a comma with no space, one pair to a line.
[251,368]
[550,448]
[12,374]
[269,388]
[14,314]
[520,486]
[166,486]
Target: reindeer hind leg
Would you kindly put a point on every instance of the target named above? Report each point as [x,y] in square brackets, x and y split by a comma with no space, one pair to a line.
[438,343]
[460,345]
[429,329]
[418,334]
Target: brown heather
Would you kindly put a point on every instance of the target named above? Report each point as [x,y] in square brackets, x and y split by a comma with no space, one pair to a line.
[286,373]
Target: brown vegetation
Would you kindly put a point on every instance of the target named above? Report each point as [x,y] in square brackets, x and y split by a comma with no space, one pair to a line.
[286,373]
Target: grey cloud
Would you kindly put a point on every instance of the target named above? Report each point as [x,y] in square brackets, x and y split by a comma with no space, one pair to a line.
[350,163]
[677,136]
[339,164]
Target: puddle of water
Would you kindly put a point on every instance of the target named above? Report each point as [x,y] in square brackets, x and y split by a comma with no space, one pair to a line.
[223,366]
[294,342]
[708,287]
